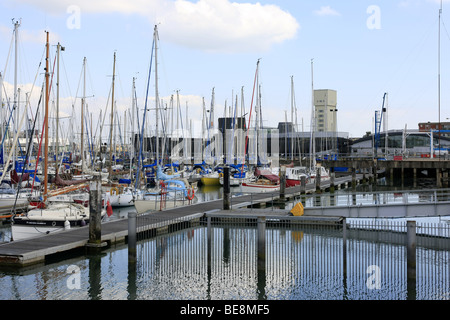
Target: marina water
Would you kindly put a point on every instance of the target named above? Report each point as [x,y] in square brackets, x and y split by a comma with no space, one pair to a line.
[303,263]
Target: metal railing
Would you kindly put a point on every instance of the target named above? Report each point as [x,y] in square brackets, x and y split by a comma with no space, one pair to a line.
[286,258]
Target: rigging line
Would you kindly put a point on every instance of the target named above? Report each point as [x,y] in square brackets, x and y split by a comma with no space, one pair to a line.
[250,115]
[446,31]
[9,53]
[13,209]
[143,120]
[67,79]
[43,128]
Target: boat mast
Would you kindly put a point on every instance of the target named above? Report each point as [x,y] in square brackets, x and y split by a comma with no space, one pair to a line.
[292,117]
[15,105]
[439,82]
[155,35]
[47,96]
[112,119]
[312,144]
[83,100]
[59,48]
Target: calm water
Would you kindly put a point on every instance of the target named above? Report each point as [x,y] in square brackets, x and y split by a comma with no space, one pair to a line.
[300,263]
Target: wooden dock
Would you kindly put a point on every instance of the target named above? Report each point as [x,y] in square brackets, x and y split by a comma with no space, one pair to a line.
[34,251]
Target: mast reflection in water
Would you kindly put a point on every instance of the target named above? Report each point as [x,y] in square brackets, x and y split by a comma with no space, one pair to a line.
[247,259]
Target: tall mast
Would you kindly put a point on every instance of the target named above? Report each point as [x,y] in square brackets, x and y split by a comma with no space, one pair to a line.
[312,143]
[59,48]
[15,105]
[292,117]
[155,35]
[439,81]
[47,94]
[112,119]
[83,101]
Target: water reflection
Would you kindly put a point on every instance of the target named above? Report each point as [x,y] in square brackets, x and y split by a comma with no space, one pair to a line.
[225,262]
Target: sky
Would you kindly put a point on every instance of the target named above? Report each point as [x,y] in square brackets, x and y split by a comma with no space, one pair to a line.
[362,49]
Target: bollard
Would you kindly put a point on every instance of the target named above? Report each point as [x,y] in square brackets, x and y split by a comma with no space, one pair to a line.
[95,214]
[132,236]
[226,188]
[303,185]
[318,176]
[332,177]
[353,178]
[282,183]
[411,259]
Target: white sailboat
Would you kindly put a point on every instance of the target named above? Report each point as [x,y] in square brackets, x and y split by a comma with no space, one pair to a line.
[52,217]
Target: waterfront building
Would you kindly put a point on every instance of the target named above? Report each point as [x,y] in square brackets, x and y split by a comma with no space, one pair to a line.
[434,126]
[325,108]
[410,143]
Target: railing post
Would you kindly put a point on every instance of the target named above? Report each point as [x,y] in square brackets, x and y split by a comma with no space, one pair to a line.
[261,264]
[411,259]
[132,230]
[344,247]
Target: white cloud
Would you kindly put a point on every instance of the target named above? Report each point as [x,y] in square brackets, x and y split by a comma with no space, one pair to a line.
[210,25]
[326,11]
[29,36]
[224,26]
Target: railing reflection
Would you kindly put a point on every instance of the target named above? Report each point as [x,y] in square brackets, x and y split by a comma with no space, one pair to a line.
[265,258]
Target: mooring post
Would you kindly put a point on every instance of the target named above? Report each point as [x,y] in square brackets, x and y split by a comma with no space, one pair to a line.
[95,213]
[411,259]
[226,188]
[282,183]
[332,177]
[303,185]
[132,236]
[353,177]
[318,190]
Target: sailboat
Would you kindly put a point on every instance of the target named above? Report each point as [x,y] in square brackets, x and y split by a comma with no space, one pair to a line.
[51,217]
[173,191]
[264,180]
[13,199]
[170,190]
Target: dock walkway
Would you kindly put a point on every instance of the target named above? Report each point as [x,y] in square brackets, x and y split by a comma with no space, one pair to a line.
[35,250]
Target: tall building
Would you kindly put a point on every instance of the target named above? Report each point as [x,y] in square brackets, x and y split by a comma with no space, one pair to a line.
[325,108]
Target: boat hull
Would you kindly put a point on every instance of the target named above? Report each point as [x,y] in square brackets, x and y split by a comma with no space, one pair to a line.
[259,188]
[210,181]
[149,205]
[56,218]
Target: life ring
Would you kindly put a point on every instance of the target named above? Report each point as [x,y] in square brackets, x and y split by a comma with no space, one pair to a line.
[116,191]
[221,175]
[190,193]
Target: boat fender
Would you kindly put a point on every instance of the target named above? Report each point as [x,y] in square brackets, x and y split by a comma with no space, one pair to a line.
[191,193]
[66,225]
[116,191]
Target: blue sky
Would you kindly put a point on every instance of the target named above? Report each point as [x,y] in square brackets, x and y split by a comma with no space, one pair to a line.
[360,48]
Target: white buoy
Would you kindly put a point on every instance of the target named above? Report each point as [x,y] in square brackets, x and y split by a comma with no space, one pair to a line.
[66,225]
